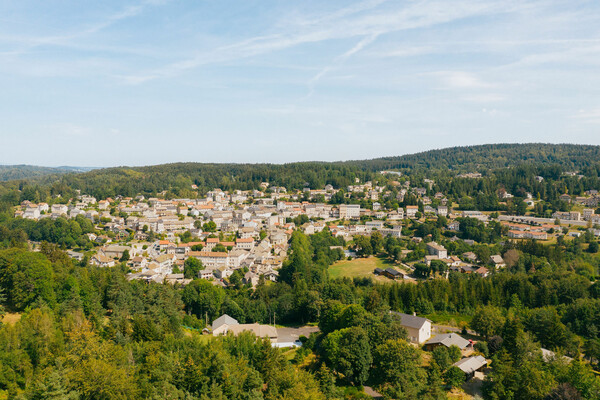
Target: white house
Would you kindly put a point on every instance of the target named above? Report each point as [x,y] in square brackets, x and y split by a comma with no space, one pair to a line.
[442,211]
[32,212]
[411,211]
[418,328]
[102,261]
[349,211]
[437,250]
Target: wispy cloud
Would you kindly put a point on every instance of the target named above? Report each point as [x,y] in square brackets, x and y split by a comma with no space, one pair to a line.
[70,130]
[577,52]
[340,60]
[591,116]
[484,98]
[461,80]
[29,43]
[335,26]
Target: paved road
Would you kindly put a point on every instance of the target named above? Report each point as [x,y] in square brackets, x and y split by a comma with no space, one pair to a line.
[437,329]
[517,218]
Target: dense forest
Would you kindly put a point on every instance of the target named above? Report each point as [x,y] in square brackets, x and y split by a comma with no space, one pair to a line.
[490,156]
[12,172]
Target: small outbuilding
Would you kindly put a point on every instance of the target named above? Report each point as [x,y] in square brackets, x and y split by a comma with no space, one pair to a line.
[447,340]
[471,365]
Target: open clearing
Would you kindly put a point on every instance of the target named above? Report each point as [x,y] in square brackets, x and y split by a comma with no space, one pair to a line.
[360,268]
[11,319]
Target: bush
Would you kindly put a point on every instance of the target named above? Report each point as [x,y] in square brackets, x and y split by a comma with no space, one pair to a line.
[454,376]
[193,322]
[454,353]
[494,344]
[482,347]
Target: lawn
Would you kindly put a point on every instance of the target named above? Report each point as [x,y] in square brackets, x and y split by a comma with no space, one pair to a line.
[455,320]
[359,268]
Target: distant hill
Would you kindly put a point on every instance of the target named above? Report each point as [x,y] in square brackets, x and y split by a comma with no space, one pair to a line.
[13,172]
[179,177]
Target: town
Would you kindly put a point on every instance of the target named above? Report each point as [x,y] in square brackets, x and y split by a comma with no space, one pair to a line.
[431,276]
[249,231]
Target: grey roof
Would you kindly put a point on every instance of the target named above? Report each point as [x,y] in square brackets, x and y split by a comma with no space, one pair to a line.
[548,355]
[449,339]
[471,364]
[497,259]
[222,320]
[393,272]
[411,321]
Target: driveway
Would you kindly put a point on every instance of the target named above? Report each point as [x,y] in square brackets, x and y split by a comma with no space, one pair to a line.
[437,329]
[293,334]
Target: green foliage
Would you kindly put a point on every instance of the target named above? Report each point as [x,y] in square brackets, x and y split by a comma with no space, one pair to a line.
[210,226]
[309,257]
[396,369]
[363,246]
[482,348]
[348,352]
[197,247]
[454,353]
[487,320]
[454,377]
[125,256]
[220,248]
[203,298]
[441,357]
[13,172]
[26,278]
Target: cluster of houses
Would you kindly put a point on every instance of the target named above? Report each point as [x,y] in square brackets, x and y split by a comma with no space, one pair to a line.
[258,225]
[159,260]
[524,231]
[591,199]
[419,332]
[588,214]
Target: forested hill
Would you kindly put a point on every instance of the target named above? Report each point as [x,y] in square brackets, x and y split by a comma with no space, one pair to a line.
[179,177]
[13,172]
[490,156]
[10,172]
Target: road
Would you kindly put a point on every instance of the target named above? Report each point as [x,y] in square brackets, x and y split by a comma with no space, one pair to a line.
[521,219]
[437,329]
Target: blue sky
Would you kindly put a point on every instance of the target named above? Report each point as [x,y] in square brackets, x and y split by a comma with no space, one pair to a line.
[103,83]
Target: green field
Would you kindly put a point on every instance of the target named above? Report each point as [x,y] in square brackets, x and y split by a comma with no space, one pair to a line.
[359,268]
[455,320]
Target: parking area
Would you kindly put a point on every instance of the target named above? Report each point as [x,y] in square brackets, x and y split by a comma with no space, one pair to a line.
[293,334]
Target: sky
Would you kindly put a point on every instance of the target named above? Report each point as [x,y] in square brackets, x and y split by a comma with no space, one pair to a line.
[106,83]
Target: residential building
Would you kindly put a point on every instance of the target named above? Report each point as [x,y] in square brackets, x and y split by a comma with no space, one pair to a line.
[447,340]
[418,328]
[411,211]
[224,320]
[471,365]
[437,250]
[102,261]
[349,211]
[265,331]
[497,261]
